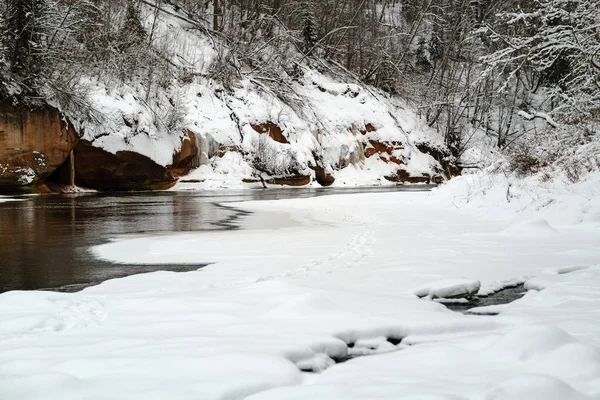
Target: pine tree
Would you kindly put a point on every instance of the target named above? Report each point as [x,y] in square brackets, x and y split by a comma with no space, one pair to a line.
[131,42]
[132,33]
[308,26]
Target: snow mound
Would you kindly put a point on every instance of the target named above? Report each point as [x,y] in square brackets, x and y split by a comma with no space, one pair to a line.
[529,227]
[536,284]
[566,269]
[534,387]
[488,310]
[525,343]
[317,363]
[376,345]
[575,361]
[449,288]
[492,287]
[304,304]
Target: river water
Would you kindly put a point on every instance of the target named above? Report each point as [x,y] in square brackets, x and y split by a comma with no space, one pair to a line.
[45,240]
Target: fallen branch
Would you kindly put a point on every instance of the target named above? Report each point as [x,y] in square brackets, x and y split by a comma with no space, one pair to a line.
[536,115]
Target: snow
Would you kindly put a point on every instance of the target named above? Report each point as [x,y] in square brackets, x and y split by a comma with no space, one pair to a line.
[493,287]
[566,269]
[310,281]
[449,288]
[538,114]
[461,371]
[27,175]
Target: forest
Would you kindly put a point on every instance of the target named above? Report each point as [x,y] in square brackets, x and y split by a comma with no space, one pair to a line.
[509,68]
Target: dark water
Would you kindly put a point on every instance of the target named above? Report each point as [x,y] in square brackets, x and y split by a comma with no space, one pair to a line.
[503,296]
[45,240]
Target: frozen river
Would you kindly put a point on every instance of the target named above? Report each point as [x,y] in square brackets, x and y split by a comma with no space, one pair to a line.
[45,240]
[301,286]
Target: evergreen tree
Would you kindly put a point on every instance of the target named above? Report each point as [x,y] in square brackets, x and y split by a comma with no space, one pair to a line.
[131,43]
[308,26]
[132,32]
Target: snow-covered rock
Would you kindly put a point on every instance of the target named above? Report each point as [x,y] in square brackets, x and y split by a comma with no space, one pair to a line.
[449,288]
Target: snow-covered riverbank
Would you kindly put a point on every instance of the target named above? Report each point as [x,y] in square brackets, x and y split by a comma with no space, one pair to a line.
[308,278]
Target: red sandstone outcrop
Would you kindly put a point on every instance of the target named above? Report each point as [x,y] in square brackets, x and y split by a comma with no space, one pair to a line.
[271,129]
[187,157]
[33,143]
[322,177]
[96,168]
[385,150]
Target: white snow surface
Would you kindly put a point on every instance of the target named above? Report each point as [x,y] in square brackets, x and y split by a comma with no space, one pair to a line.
[449,288]
[307,277]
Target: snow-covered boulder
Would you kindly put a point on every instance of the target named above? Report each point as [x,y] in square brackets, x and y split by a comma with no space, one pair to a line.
[449,288]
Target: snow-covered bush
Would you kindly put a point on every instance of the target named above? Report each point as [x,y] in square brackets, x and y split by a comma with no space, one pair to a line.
[573,151]
[276,159]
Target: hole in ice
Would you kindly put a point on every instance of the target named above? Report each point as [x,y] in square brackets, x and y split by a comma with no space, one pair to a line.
[369,347]
[360,348]
[503,296]
[395,341]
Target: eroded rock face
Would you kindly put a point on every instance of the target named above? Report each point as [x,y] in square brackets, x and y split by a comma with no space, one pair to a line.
[385,151]
[33,143]
[187,157]
[98,169]
[271,129]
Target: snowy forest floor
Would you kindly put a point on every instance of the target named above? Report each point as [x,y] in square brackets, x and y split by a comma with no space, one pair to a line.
[310,281]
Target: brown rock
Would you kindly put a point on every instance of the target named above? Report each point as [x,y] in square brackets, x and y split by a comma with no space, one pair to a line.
[225,148]
[187,157]
[293,180]
[402,176]
[384,149]
[33,143]
[272,129]
[368,128]
[98,169]
[323,178]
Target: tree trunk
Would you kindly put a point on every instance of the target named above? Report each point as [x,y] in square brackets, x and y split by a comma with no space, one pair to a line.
[216,14]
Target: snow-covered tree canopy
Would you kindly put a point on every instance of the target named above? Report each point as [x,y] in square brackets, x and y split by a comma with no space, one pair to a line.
[467,65]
